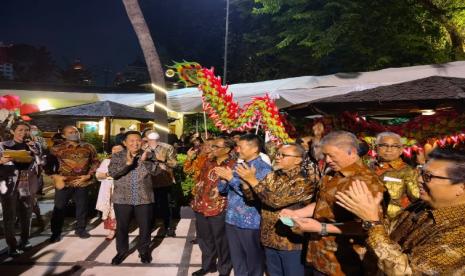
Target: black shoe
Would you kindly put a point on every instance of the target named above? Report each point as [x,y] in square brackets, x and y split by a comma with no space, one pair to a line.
[82,234]
[202,271]
[14,252]
[145,258]
[171,232]
[55,238]
[118,259]
[161,233]
[25,245]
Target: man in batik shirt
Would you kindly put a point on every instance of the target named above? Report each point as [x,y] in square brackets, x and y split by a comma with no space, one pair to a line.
[428,237]
[209,207]
[336,240]
[165,155]
[196,158]
[78,164]
[399,178]
[285,187]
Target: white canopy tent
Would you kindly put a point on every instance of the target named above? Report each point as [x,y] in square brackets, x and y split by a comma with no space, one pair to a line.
[286,91]
[308,88]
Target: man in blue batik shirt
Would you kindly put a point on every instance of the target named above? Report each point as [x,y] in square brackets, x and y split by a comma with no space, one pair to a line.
[242,215]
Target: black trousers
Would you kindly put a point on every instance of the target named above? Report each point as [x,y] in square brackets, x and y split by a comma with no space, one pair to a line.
[143,215]
[211,236]
[80,197]
[162,205]
[13,205]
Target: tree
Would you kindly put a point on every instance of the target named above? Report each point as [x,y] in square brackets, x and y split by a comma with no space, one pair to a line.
[31,64]
[151,58]
[297,37]
[451,15]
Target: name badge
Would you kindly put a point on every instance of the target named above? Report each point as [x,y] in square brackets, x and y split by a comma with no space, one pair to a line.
[392,179]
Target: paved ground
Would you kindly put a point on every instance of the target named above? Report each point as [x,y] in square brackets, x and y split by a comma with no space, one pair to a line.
[75,256]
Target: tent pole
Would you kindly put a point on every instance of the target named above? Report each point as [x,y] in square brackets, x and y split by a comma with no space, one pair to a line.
[258,125]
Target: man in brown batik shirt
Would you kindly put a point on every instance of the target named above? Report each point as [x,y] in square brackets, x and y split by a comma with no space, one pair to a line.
[336,240]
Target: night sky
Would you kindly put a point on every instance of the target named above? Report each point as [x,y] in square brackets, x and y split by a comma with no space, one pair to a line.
[100,34]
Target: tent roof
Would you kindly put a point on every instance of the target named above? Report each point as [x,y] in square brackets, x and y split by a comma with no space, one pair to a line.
[426,93]
[430,88]
[99,110]
[287,92]
[304,89]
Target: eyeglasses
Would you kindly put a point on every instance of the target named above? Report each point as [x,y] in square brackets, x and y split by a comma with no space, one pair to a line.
[281,155]
[387,146]
[216,147]
[426,177]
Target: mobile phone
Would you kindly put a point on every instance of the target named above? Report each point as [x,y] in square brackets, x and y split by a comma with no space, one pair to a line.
[287,221]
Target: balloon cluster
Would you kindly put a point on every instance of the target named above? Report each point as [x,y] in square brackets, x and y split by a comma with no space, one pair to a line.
[227,114]
[10,103]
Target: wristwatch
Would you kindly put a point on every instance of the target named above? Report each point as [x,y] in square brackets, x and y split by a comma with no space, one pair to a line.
[367,224]
[324,230]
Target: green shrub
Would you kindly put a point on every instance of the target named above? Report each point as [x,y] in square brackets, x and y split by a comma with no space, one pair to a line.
[184,183]
[95,139]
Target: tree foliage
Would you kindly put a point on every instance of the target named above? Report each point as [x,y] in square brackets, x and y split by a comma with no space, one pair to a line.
[296,37]
[31,64]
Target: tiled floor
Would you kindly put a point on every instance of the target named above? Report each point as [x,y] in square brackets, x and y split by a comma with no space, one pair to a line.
[75,256]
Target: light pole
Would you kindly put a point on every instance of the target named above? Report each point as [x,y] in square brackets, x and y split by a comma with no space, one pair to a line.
[226,35]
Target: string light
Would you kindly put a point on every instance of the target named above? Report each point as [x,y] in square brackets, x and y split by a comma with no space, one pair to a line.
[159,88]
[151,107]
[163,128]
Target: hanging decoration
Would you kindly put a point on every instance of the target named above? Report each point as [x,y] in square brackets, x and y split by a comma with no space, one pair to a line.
[432,129]
[227,115]
[419,128]
[413,147]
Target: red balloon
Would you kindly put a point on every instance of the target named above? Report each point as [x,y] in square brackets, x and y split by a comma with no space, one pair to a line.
[28,108]
[3,102]
[12,102]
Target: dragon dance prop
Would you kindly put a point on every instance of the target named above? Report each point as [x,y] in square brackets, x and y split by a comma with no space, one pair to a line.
[226,114]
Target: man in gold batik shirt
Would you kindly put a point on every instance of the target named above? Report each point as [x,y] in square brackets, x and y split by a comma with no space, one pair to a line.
[398,177]
[428,238]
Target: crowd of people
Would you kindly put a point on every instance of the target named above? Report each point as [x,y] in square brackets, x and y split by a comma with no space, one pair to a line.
[323,207]
[319,206]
